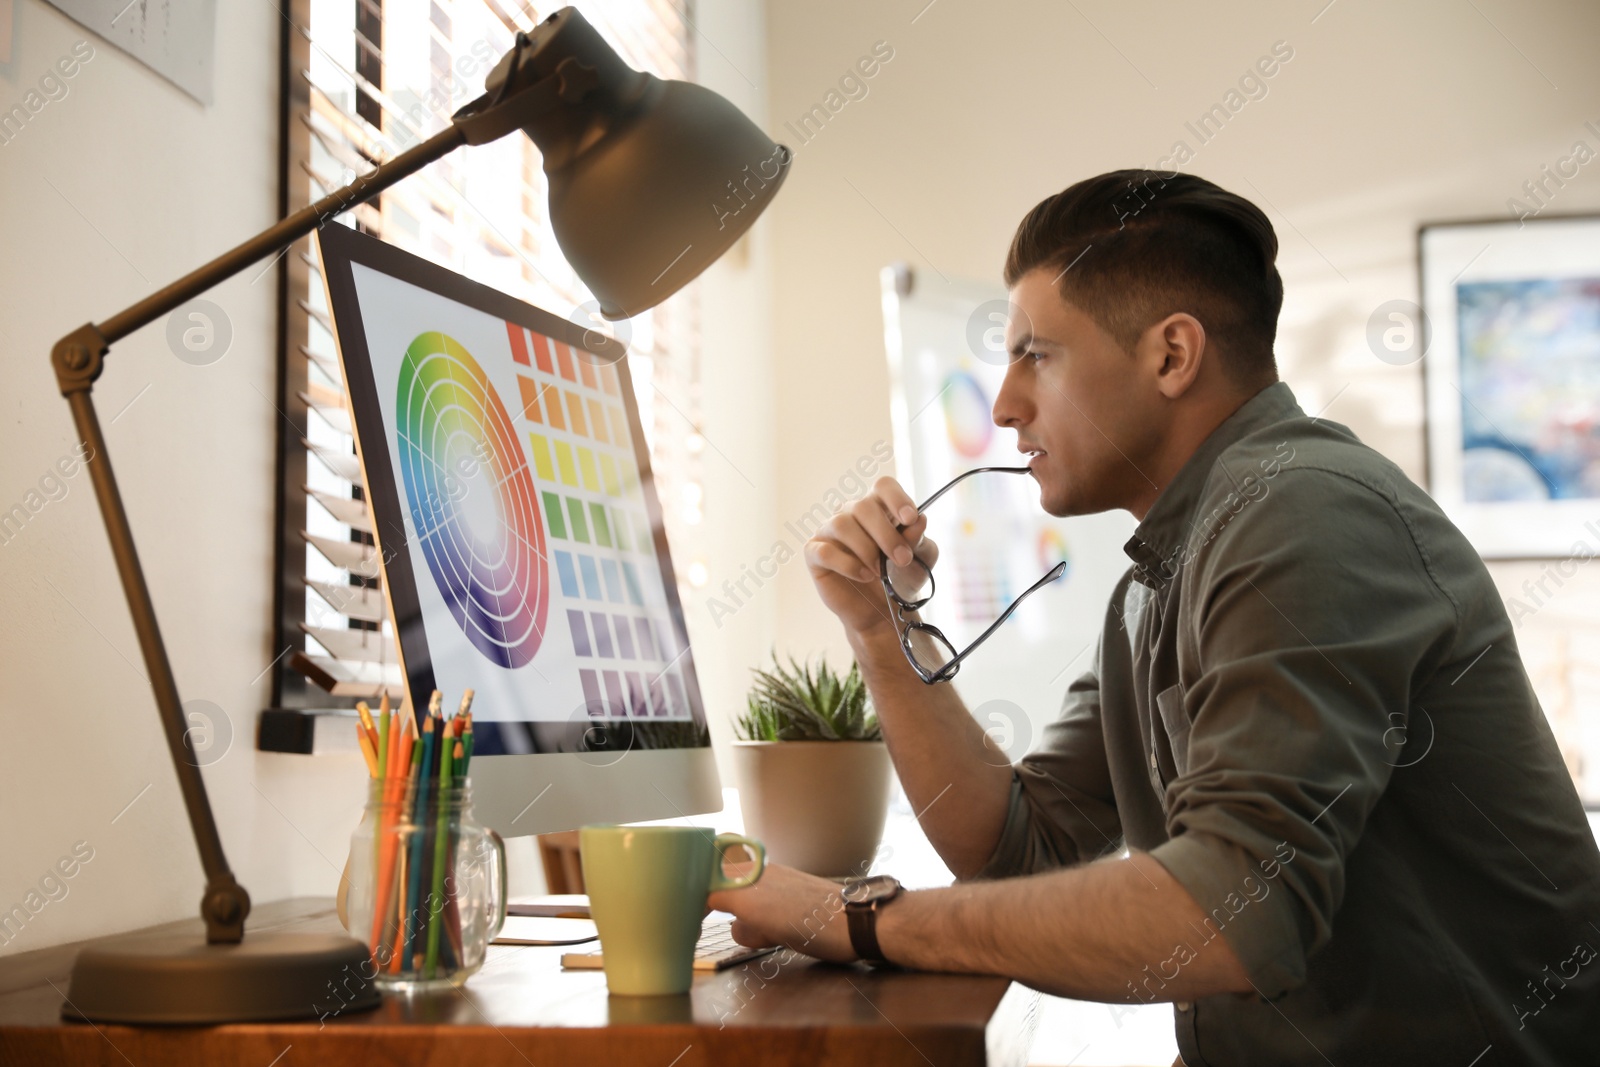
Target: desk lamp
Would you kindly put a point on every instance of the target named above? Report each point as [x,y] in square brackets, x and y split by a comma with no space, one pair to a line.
[650,182]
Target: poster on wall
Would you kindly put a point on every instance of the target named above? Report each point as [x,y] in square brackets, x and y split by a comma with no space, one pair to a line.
[1512,373]
[174,38]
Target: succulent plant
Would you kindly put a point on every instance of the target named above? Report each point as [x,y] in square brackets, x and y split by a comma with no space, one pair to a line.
[800,703]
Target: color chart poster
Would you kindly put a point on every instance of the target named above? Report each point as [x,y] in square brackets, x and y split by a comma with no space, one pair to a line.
[528,537]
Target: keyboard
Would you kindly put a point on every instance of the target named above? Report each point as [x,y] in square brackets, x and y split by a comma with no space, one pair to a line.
[715,951]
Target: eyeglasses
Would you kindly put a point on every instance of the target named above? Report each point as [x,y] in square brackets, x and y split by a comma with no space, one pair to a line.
[927,649]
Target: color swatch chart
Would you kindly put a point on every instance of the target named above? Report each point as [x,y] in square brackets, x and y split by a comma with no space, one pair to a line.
[493,572]
[608,584]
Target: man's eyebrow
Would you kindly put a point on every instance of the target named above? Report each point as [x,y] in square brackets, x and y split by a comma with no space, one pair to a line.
[1029,340]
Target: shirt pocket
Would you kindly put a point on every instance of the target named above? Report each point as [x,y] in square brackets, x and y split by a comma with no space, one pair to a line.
[1175,721]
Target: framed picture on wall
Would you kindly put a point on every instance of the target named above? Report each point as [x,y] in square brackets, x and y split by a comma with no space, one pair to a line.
[1511,327]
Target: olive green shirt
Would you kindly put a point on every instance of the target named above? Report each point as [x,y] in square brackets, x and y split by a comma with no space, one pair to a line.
[1308,705]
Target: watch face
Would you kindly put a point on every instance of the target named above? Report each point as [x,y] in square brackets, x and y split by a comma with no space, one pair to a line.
[870,890]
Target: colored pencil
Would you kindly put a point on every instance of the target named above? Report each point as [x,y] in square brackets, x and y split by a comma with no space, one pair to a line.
[419,807]
[367,752]
[436,900]
[452,923]
[402,877]
[379,771]
[386,874]
[386,859]
[378,738]
[367,723]
[383,741]
[404,748]
[404,759]
[452,931]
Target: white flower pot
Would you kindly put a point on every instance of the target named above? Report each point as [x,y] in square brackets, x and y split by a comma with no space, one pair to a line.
[818,806]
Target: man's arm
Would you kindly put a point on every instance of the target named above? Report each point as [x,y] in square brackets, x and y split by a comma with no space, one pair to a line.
[945,761]
[956,780]
[1117,929]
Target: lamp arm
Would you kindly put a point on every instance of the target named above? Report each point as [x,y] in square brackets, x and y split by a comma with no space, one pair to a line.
[79,359]
[281,234]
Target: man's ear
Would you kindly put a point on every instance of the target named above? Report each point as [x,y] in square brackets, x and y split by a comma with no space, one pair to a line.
[1175,350]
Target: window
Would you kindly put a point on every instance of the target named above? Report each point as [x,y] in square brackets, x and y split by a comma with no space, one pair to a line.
[364,80]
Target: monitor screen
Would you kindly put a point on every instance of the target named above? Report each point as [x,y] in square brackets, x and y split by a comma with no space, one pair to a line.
[516,518]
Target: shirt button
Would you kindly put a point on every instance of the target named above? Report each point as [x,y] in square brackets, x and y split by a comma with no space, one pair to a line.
[1183,1005]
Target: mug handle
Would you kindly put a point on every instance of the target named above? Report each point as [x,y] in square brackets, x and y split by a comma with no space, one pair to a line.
[724,842]
[500,884]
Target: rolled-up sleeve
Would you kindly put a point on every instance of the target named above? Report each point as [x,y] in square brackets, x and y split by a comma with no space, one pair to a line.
[1062,810]
[1305,642]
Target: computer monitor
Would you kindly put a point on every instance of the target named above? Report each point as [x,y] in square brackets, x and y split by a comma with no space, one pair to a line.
[521,542]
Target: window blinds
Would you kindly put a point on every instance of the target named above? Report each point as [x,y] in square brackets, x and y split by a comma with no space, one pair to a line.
[363,81]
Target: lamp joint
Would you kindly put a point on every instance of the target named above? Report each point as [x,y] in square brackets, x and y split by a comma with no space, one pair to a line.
[78,358]
[224,908]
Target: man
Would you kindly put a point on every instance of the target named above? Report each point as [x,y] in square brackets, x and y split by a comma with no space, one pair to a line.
[1306,792]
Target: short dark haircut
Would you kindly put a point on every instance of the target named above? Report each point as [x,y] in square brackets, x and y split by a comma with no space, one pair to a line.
[1134,246]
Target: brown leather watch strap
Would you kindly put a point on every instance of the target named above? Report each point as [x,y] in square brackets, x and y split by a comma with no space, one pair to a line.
[861,916]
[863,923]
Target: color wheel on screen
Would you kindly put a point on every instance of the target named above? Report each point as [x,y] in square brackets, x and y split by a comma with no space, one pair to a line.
[472,499]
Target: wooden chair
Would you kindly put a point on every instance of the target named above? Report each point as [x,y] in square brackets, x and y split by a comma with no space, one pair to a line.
[563,873]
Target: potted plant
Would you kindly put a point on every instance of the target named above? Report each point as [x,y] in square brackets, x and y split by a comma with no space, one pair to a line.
[812,769]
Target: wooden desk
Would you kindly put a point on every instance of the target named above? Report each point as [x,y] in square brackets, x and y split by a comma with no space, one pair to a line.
[522,1009]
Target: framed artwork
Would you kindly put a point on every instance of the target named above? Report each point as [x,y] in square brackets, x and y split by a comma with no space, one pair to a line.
[1511,350]
[174,38]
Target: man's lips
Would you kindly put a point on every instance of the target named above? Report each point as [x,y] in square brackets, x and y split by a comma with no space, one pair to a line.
[1035,457]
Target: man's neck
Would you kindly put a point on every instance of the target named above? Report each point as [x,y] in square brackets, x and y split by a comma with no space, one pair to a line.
[1191,425]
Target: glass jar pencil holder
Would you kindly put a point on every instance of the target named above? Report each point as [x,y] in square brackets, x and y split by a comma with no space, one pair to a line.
[427,884]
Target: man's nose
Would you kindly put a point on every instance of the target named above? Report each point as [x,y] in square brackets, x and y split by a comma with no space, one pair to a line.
[1011,408]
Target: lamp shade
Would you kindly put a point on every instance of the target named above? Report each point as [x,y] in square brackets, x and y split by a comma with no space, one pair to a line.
[650,179]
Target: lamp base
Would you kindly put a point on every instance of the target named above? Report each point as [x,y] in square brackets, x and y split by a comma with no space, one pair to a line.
[180,979]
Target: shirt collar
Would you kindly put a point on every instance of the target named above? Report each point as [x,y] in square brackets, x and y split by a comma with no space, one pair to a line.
[1157,540]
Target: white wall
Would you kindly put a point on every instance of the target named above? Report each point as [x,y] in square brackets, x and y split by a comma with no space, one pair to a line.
[736,394]
[106,194]
[1387,115]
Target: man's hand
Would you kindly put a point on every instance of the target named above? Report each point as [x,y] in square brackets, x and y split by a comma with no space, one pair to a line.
[844,556]
[788,907]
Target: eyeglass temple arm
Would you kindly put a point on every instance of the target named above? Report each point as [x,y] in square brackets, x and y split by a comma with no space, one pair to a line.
[961,477]
[1055,572]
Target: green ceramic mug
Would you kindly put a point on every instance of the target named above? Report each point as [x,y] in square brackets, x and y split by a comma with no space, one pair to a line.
[647,889]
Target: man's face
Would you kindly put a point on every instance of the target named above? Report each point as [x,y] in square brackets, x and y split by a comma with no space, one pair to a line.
[1079,402]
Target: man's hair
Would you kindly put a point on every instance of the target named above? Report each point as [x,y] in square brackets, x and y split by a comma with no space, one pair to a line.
[1133,246]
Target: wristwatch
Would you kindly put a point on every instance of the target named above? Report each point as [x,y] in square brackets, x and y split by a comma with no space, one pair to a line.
[863,897]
